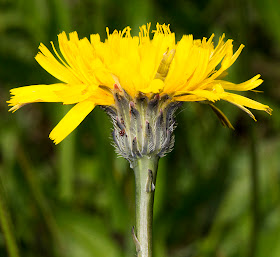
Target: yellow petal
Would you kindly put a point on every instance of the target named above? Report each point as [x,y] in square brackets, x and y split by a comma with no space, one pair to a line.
[155,87]
[245,86]
[101,97]
[36,93]
[200,94]
[73,94]
[54,67]
[189,98]
[199,74]
[244,101]
[235,56]
[71,120]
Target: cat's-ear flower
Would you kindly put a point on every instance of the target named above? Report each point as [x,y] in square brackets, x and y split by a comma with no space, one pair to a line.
[151,68]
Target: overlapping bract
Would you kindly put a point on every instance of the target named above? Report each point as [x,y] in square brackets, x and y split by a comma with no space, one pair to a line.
[89,69]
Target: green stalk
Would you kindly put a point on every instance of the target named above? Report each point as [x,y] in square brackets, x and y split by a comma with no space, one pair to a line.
[6,228]
[145,170]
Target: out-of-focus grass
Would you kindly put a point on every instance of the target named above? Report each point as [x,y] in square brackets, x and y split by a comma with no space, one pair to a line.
[77,199]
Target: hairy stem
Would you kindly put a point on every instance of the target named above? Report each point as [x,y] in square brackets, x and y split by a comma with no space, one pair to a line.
[145,170]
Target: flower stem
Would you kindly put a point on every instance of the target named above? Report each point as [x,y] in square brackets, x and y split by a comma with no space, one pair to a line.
[145,170]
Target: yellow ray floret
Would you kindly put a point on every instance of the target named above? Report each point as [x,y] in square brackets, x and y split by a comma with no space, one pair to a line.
[71,120]
[187,70]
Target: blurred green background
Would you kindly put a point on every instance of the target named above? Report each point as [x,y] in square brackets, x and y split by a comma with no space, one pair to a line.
[218,192]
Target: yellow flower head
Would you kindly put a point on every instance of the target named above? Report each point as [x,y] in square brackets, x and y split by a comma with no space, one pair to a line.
[187,71]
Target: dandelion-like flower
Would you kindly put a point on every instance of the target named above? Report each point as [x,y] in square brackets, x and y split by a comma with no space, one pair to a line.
[140,82]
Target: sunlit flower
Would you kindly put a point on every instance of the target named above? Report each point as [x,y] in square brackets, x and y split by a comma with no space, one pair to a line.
[93,72]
